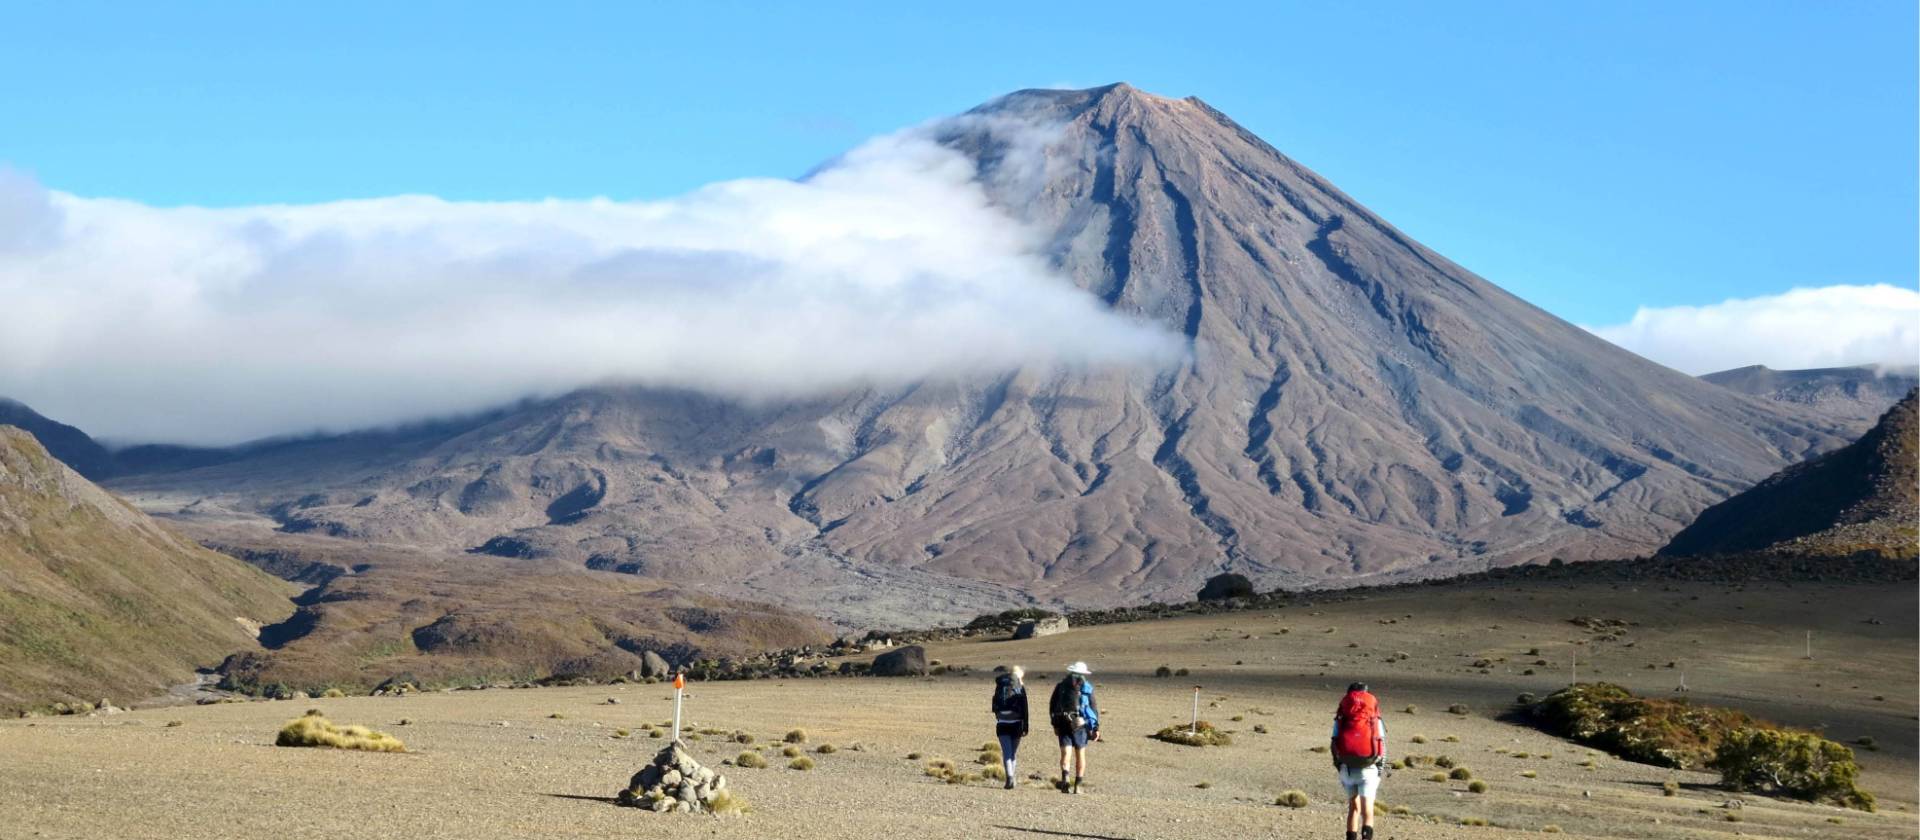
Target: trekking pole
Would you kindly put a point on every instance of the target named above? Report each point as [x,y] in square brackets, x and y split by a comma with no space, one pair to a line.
[679,688]
[1576,666]
[1809,644]
[1194,728]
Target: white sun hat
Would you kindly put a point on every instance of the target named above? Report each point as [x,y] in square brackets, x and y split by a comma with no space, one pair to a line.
[1080,668]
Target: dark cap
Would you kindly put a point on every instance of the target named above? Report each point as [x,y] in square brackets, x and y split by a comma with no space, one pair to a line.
[1357,687]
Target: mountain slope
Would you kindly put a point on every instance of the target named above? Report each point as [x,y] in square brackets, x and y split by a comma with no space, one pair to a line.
[1355,405]
[1859,394]
[98,600]
[70,445]
[1864,497]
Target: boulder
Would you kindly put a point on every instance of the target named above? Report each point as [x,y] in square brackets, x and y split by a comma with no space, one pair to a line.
[654,665]
[1223,586]
[1035,627]
[909,661]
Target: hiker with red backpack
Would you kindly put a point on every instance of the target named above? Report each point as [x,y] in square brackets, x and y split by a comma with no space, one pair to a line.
[1359,748]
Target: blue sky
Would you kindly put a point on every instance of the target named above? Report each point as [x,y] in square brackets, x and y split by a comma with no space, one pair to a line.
[1591,157]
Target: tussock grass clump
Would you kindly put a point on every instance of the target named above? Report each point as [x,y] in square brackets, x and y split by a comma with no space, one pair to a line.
[332,694]
[939,768]
[1260,728]
[994,773]
[1451,739]
[913,756]
[1669,788]
[1418,739]
[797,736]
[174,723]
[1460,774]
[1293,799]
[750,760]
[1411,710]
[1444,762]
[1163,672]
[1529,774]
[1458,709]
[1475,821]
[727,804]
[1477,787]
[826,749]
[790,751]
[1202,735]
[801,763]
[743,737]
[1437,777]
[621,733]
[1550,828]
[317,731]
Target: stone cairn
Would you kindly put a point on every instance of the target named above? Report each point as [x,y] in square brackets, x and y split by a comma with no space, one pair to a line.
[673,782]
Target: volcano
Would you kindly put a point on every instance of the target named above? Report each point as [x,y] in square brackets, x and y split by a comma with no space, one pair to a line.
[1354,406]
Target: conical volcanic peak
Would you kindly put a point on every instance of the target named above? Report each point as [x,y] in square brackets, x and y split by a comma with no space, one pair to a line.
[1353,406]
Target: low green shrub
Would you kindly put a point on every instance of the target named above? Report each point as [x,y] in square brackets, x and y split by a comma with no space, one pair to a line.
[1786,763]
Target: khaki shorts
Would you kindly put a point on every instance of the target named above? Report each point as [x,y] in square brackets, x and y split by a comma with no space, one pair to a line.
[1363,782]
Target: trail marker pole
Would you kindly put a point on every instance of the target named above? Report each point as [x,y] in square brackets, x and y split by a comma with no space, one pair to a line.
[1809,644]
[1194,728]
[1576,666]
[679,689]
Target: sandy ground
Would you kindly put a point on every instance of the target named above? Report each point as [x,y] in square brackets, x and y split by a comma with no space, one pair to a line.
[494,764]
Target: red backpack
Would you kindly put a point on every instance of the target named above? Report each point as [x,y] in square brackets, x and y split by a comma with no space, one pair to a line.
[1356,726]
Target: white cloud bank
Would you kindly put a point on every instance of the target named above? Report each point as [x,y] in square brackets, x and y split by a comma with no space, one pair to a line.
[218,325]
[1827,326]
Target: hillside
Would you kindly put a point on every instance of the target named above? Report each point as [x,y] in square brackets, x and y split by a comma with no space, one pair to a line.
[379,614]
[97,600]
[1356,407]
[1862,498]
[1857,394]
[70,445]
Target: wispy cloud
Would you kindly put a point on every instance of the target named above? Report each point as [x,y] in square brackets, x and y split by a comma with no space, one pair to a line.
[216,325]
[1826,326]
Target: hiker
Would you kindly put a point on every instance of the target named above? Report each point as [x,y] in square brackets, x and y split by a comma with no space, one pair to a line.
[1359,747]
[1076,720]
[1010,717]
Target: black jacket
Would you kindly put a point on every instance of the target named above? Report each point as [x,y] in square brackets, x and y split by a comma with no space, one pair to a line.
[1009,707]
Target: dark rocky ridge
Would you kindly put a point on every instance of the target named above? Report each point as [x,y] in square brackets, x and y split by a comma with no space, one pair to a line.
[1356,407]
[1863,498]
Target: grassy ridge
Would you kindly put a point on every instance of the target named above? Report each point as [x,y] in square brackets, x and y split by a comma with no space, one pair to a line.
[97,600]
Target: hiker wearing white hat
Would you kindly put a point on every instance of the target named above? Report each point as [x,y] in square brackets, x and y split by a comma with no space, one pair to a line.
[1076,721]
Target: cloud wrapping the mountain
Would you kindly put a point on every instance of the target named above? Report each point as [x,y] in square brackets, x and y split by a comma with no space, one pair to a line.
[216,325]
[1827,326]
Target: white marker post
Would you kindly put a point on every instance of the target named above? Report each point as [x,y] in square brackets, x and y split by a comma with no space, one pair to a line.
[1809,644]
[1194,728]
[1575,661]
[679,688]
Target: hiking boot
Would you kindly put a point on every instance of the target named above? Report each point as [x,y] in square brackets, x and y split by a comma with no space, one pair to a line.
[1076,787]
[1009,783]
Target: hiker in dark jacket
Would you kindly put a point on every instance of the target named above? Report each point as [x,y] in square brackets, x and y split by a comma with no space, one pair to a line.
[1076,721]
[1010,717]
